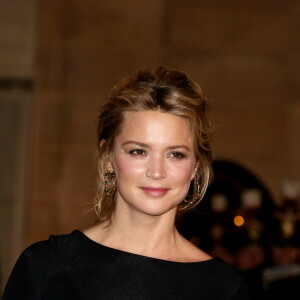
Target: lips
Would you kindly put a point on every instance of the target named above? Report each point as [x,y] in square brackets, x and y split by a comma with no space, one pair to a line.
[155,191]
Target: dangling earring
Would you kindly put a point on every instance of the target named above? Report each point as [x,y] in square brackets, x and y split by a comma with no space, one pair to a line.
[109,183]
[196,199]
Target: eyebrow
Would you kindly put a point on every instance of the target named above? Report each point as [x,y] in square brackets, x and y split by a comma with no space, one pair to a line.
[143,145]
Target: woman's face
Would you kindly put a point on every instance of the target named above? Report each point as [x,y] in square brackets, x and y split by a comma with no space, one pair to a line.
[154,162]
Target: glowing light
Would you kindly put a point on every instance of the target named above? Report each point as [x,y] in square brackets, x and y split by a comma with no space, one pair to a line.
[238,221]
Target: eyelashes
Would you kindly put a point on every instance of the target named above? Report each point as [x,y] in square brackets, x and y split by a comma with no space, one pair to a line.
[138,152]
[178,155]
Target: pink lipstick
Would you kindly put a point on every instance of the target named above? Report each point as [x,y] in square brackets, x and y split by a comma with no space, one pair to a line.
[153,191]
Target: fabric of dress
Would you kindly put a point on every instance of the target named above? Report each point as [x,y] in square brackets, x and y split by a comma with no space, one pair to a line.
[74,267]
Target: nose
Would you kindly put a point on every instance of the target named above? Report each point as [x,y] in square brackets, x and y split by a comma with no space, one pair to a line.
[156,168]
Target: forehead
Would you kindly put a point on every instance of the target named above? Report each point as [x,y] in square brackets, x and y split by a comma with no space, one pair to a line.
[155,127]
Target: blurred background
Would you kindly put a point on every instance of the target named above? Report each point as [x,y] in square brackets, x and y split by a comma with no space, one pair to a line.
[60,58]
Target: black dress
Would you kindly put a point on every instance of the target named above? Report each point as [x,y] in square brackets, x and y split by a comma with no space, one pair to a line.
[75,267]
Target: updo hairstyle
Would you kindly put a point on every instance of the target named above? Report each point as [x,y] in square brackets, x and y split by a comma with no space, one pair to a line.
[163,90]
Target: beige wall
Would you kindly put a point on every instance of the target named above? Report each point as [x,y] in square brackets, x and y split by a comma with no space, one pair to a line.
[243,53]
[17,35]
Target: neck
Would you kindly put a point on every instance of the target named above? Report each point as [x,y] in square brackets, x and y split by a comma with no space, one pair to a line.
[138,233]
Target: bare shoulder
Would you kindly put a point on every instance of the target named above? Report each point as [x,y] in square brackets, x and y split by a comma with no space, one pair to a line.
[95,232]
[191,253]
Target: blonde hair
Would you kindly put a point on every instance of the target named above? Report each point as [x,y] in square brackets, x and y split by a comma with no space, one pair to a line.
[163,90]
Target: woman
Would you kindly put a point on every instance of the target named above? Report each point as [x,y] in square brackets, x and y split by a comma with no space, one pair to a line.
[154,164]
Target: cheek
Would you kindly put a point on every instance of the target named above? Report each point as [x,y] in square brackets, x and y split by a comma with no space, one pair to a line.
[182,174]
[126,168]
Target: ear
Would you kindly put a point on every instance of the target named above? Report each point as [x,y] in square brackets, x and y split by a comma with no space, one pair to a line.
[108,159]
[102,142]
[109,166]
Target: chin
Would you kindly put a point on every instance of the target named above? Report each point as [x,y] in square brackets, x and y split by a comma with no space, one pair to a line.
[149,206]
[158,210]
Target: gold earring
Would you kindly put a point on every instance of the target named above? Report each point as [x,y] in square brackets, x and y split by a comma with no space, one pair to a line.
[196,199]
[109,183]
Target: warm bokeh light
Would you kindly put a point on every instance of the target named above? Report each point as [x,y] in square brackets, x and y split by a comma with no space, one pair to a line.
[238,221]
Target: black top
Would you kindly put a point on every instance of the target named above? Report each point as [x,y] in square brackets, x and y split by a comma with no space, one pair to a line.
[75,267]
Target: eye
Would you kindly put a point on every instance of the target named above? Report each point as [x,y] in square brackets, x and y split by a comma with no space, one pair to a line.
[138,152]
[177,155]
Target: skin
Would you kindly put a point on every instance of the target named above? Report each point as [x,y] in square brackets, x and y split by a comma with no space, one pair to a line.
[154,163]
